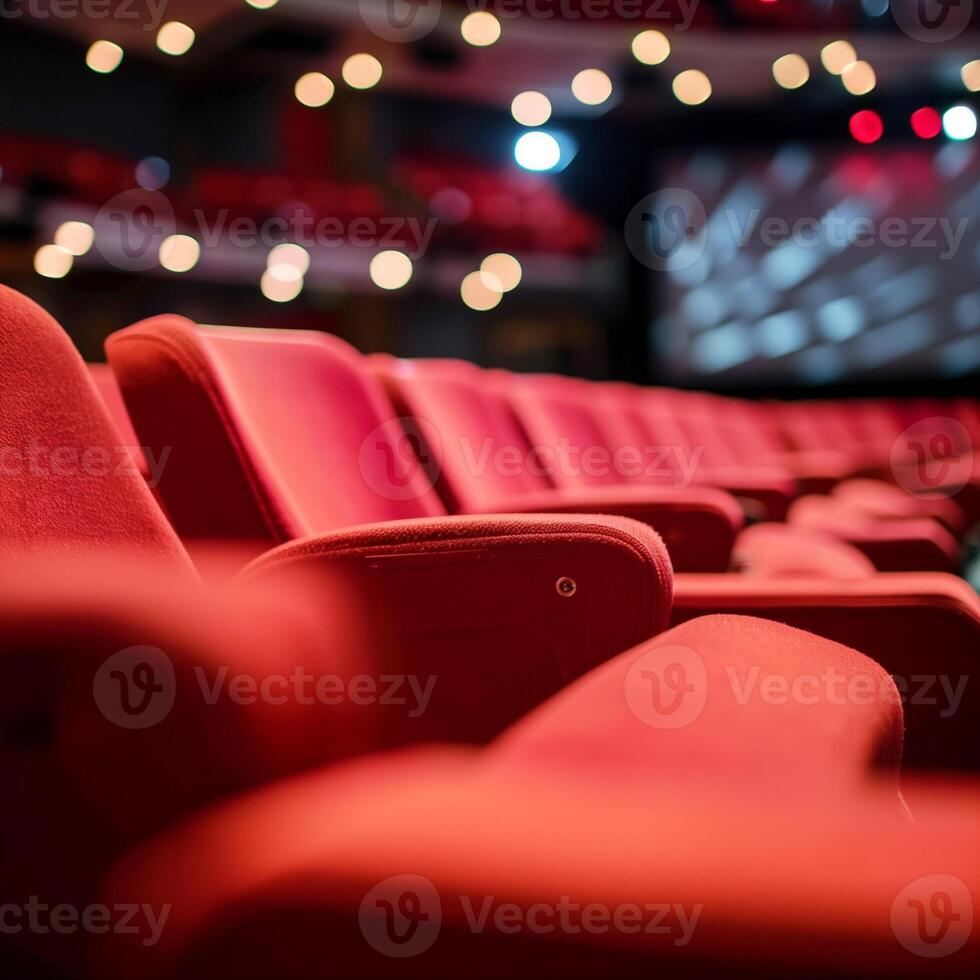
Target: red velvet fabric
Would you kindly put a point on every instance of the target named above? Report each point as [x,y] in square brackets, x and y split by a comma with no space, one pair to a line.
[893,544]
[65,482]
[287,424]
[779,551]
[475,602]
[487,463]
[112,399]
[922,628]
[815,856]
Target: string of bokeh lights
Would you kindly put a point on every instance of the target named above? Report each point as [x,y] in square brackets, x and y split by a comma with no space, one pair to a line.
[535,150]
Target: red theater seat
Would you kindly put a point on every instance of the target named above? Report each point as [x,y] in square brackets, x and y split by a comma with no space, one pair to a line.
[486,462]
[297,877]
[889,501]
[112,400]
[892,544]
[94,575]
[778,551]
[556,411]
[923,629]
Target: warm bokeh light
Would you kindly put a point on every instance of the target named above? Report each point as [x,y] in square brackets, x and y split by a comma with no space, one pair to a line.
[504,268]
[53,261]
[391,270]
[970,73]
[791,71]
[175,38]
[650,47]
[314,89]
[262,4]
[480,29]
[104,57]
[866,126]
[837,55]
[179,253]
[692,87]
[76,237]
[281,283]
[960,123]
[481,291]
[859,78]
[592,86]
[531,108]
[290,254]
[361,71]
[926,123]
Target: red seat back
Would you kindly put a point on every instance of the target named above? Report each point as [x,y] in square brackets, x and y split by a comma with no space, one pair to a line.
[65,483]
[290,425]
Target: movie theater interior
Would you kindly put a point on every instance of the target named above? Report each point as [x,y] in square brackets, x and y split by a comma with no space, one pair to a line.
[489,488]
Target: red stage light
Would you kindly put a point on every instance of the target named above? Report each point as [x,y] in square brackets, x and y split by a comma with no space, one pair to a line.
[926,123]
[866,126]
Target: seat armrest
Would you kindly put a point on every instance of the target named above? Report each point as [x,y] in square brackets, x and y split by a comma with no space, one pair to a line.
[924,629]
[502,610]
[697,524]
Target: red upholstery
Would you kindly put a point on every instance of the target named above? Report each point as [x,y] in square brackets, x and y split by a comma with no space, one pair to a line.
[108,389]
[631,719]
[487,463]
[278,420]
[85,777]
[924,629]
[557,411]
[779,551]
[889,501]
[65,482]
[894,545]
[474,601]
[273,881]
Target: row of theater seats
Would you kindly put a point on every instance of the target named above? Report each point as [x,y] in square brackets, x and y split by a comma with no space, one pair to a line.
[648,769]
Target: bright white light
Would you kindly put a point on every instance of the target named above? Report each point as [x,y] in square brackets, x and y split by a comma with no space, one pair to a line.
[290,254]
[531,108]
[960,123]
[537,151]
[314,89]
[592,86]
[104,57]
[481,291]
[480,29]
[391,270]
[650,47]
[361,71]
[282,283]
[504,268]
[262,4]
[175,38]
[179,253]
[53,261]
[76,237]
